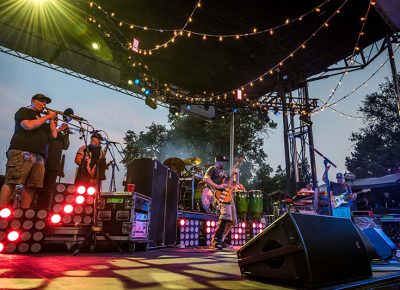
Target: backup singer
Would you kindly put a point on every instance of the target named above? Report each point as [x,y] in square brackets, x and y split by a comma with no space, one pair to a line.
[216,177]
[90,162]
[25,156]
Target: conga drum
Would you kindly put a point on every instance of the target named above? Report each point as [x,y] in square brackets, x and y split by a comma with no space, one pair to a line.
[256,204]
[242,203]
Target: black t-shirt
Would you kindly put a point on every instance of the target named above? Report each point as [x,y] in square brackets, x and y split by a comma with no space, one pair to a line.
[216,175]
[29,140]
[339,188]
[54,152]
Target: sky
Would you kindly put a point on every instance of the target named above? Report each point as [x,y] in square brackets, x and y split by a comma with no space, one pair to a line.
[116,113]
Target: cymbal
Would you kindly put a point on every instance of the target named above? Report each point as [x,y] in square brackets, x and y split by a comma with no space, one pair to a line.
[175,164]
[192,161]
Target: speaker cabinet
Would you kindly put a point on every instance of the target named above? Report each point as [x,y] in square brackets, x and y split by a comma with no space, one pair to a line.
[171,208]
[384,248]
[306,250]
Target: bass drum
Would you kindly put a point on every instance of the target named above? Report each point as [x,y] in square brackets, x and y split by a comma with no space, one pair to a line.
[204,199]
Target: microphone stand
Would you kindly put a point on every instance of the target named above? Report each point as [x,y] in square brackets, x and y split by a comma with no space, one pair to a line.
[114,165]
[327,182]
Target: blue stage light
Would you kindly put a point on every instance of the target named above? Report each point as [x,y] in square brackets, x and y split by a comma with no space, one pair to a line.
[137,81]
[235,110]
[188,107]
[147,92]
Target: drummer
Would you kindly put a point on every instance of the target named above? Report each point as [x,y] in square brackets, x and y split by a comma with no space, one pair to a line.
[306,191]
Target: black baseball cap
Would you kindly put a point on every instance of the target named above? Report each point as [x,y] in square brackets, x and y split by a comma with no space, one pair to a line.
[339,175]
[96,135]
[42,98]
[221,158]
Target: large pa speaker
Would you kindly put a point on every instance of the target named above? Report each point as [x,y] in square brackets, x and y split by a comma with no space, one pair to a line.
[384,248]
[171,208]
[150,178]
[306,250]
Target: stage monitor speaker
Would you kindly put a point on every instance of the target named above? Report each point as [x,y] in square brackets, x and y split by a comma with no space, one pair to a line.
[150,178]
[384,248]
[307,251]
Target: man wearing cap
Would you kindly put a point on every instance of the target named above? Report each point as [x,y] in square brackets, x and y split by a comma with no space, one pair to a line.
[216,177]
[27,151]
[88,160]
[338,188]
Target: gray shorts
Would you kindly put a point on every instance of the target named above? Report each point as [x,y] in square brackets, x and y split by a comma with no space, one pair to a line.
[24,168]
[228,212]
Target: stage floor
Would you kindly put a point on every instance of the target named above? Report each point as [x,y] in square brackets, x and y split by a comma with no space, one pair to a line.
[169,268]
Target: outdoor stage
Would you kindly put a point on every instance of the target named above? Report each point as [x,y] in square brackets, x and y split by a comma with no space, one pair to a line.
[169,268]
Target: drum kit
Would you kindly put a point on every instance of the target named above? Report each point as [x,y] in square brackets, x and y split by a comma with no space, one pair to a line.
[191,183]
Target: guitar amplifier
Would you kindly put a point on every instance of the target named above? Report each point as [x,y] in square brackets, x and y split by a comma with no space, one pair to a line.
[124,215]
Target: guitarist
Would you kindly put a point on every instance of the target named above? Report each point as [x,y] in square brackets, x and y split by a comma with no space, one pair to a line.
[216,177]
[337,188]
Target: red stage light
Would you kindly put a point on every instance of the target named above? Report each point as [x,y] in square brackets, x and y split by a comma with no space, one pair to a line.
[13,236]
[254,225]
[260,225]
[240,230]
[91,190]
[208,223]
[213,224]
[55,218]
[80,199]
[81,189]
[182,222]
[68,208]
[208,230]
[236,236]
[5,213]
[243,225]
[1,247]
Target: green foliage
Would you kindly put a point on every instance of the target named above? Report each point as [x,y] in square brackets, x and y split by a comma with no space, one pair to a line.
[376,145]
[190,136]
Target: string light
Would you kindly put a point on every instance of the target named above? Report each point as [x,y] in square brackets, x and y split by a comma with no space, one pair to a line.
[356,48]
[282,62]
[363,84]
[254,31]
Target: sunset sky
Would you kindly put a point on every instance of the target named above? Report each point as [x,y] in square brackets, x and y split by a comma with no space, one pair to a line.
[116,113]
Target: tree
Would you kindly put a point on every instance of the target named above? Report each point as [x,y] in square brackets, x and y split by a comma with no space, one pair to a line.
[190,136]
[145,144]
[376,145]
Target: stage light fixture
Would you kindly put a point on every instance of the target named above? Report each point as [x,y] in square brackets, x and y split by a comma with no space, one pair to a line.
[91,190]
[80,199]
[5,213]
[182,222]
[95,46]
[55,218]
[68,208]
[13,236]
[1,247]
[151,102]
[81,189]
[147,92]
[137,81]
[188,107]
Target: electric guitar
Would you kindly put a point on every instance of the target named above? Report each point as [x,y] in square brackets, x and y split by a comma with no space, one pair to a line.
[344,198]
[225,195]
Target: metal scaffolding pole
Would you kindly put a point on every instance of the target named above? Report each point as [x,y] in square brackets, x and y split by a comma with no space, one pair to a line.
[394,71]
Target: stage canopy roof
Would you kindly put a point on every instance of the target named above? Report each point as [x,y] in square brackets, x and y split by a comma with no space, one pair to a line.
[287,42]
